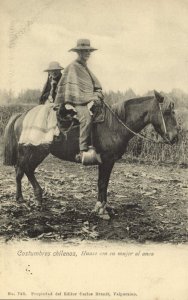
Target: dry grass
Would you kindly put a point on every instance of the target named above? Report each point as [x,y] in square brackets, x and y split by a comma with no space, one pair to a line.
[148,151]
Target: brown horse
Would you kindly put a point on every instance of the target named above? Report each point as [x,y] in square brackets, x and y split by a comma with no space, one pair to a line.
[110,139]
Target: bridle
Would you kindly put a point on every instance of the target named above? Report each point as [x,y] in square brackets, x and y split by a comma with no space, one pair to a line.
[139,134]
[162,117]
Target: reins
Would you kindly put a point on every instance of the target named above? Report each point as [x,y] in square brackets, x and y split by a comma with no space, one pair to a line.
[135,133]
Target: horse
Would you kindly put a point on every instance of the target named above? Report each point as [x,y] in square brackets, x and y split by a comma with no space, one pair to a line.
[110,138]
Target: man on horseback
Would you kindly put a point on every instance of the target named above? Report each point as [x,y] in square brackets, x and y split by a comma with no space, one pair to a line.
[50,88]
[80,88]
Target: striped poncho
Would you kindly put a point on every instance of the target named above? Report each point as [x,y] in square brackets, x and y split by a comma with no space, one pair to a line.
[77,85]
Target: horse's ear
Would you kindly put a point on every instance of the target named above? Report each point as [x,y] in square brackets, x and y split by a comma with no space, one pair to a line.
[171,106]
[158,96]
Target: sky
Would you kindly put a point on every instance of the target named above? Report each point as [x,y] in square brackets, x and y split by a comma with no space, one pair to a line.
[142,44]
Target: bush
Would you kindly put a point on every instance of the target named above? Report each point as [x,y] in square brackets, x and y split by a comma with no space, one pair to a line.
[6,111]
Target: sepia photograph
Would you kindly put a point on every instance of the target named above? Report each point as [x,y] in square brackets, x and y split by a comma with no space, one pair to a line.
[94,149]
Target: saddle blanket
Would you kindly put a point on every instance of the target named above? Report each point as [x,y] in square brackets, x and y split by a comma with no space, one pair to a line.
[39,126]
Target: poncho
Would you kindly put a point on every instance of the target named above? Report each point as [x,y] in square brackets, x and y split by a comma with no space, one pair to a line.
[77,85]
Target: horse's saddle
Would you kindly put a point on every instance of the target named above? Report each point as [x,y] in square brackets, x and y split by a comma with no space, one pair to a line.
[66,116]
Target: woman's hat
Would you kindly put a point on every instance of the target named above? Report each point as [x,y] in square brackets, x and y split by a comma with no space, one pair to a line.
[54,65]
[83,44]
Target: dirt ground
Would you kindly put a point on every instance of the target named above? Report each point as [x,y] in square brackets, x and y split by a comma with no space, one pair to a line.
[149,203]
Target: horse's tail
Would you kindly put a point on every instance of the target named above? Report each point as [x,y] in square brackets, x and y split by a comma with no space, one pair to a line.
[10,143]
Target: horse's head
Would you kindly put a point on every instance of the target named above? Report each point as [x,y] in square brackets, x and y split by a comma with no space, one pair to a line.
[164,120]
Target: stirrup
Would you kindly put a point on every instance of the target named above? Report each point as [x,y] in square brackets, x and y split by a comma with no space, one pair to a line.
[89,158]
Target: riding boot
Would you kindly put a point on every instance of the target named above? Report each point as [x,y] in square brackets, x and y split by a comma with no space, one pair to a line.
[89,158]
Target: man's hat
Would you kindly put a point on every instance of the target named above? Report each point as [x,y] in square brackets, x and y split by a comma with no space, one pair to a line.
[83,44]
[54,65]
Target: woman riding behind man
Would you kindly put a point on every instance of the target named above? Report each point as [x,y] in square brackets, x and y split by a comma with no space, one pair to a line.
[50,88]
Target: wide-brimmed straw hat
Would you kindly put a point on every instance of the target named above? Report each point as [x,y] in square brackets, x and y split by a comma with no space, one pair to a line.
[54,65]
[82,44]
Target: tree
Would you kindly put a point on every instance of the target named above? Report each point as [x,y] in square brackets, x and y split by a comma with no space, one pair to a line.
[29,96]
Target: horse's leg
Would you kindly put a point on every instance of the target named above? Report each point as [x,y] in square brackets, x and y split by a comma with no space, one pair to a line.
[103,180]
[36,186]
[34,157]
[19,176]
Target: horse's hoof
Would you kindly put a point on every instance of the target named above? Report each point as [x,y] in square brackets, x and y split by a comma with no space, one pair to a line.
[38,198]
[97,207]
[36,202]
[20,199]
[101,211]
[104,216]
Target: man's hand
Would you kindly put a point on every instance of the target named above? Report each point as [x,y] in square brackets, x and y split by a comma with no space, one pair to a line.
[98,102]
[97,97]
[99,94]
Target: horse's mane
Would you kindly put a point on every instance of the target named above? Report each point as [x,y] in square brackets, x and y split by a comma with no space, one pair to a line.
[120,109]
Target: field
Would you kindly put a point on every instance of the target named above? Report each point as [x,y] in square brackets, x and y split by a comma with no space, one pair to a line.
[149,204]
